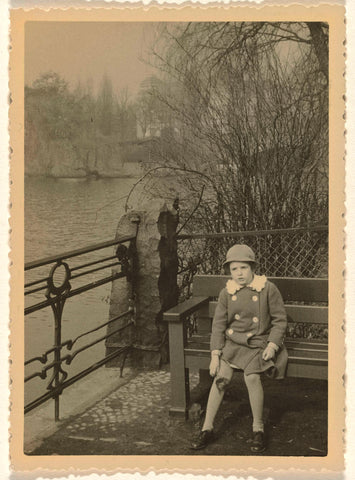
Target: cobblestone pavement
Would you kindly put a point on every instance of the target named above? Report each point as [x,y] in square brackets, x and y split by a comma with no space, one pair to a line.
[134,420]
[141,400]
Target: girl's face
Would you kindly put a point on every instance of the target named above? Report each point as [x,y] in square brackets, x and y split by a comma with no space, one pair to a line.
[241,272]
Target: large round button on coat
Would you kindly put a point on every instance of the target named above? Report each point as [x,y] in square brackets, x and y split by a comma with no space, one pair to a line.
[249,334]
[230,331]
[234,298]
[255,298]
[255,319]
[237,316]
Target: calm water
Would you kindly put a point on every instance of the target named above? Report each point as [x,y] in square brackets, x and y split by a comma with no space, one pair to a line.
[61,215]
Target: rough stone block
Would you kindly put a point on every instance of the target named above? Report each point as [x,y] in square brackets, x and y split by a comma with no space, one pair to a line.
[154,285]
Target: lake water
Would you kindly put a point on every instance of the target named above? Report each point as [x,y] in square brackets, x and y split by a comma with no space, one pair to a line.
[62,215]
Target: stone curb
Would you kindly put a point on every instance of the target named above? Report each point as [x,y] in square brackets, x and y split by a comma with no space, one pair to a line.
[39,423]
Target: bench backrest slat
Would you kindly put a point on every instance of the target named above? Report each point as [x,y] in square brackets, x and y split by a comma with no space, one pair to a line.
[292,289]
[295,313]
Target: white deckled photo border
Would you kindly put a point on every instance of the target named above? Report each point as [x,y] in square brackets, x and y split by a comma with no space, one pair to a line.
[155,466]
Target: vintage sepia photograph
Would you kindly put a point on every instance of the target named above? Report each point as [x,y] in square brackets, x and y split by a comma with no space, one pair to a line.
[177,189]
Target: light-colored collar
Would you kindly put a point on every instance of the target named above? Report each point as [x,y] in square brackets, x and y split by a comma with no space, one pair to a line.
[257,284]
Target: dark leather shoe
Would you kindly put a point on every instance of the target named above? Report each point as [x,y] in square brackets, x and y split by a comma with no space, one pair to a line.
[258,443]
[202,440]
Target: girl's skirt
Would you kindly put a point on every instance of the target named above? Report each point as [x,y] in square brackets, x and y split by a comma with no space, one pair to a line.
[249,358]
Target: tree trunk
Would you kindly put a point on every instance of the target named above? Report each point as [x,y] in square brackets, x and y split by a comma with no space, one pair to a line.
[320,44]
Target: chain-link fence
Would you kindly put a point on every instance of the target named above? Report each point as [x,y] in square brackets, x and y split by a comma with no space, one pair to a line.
[296,252]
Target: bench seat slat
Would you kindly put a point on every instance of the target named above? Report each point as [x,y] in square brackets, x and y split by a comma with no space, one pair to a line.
[193,360]
[191,355]
[292,289]
[314,342]
[306,349]
[307,360]
[310,354]
[297,370]
[291,343]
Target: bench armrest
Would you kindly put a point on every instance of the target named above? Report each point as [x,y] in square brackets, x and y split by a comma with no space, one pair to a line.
[184,309]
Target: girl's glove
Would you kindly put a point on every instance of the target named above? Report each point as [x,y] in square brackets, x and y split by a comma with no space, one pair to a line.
[270,351]
[214,365]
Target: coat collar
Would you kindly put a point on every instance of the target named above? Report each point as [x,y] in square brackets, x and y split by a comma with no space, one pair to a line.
[257,284]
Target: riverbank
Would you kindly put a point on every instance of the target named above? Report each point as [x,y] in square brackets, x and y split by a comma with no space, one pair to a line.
[117,170]
[85,176]
[104,157]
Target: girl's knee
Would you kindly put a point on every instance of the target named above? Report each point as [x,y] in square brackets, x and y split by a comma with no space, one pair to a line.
[224,376]
[252,379]
[222,382]
[225,370]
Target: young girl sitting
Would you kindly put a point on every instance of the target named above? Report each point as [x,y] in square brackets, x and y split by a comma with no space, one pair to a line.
[248,331]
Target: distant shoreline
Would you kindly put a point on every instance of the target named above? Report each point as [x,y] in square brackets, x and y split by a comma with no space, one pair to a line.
[80,177]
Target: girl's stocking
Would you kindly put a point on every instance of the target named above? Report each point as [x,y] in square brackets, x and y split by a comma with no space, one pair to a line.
[216,394]
[256,398]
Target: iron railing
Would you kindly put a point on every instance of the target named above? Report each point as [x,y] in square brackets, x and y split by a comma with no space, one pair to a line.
[63,282]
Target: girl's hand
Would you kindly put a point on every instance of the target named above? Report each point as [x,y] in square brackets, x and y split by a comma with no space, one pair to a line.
[214,365]
[269,352]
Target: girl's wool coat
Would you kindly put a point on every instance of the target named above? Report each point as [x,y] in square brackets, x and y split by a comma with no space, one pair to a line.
[245,320]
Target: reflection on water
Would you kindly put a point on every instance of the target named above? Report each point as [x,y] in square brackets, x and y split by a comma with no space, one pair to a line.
[62,215]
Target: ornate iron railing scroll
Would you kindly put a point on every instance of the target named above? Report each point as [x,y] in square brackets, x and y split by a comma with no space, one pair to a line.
[62,283]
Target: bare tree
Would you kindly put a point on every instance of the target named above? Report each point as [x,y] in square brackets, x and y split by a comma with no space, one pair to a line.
[105,106]
[251,104]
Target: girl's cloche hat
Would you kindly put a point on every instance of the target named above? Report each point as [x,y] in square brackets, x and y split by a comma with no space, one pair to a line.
[240,253]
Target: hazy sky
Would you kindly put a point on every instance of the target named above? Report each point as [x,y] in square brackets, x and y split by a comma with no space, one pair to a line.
[89,50]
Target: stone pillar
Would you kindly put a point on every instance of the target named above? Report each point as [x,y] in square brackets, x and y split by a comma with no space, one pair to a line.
[121,296]
[155,284]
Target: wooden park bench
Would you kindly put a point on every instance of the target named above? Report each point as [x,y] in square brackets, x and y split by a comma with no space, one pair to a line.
[308,357]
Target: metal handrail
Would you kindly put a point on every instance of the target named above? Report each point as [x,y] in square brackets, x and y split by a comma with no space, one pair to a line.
[72,293]
[77,252]
[56,293]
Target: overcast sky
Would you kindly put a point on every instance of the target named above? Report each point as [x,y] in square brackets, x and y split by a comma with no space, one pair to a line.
[89,50]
